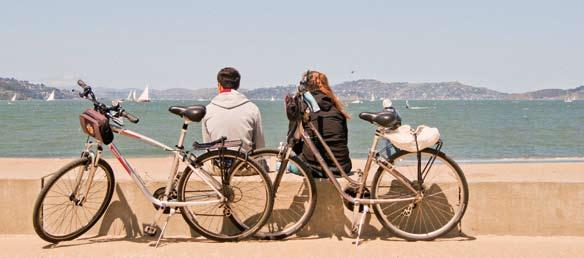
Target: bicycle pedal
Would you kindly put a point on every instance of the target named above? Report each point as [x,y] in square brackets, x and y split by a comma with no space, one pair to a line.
[150,230]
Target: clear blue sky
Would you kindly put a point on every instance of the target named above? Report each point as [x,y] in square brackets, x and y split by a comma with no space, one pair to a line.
[511,46]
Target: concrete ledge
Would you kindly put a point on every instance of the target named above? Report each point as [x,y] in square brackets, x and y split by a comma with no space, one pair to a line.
[496,207]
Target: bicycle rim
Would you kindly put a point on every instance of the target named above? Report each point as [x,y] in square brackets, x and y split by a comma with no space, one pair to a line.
[60,215]
[249,194]
[294,197]
[442,206]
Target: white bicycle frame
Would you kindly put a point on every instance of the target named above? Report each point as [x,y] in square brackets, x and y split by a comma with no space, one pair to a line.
[179,156]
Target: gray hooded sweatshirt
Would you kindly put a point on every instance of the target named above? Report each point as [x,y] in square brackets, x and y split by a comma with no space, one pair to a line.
[232,115]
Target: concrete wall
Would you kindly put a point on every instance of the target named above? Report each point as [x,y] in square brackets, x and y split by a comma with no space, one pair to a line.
[498,208]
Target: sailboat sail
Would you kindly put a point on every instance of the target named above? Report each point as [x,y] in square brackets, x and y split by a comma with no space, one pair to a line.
[52,96]
[129,96]
[133,95]
[145,96]
[13,98]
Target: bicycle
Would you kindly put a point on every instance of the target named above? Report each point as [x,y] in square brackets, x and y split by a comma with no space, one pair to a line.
[417,195]
[221,194]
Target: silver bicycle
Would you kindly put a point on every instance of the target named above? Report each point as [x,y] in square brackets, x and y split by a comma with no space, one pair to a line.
[415,195]
[221,194]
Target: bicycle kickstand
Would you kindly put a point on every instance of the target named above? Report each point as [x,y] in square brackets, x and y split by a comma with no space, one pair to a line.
[172,212]
[361,221]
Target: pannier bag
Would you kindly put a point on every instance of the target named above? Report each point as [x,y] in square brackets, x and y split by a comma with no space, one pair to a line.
[96,125]
[405,139]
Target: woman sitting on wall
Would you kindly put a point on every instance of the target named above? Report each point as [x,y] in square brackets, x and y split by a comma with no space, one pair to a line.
[331,123]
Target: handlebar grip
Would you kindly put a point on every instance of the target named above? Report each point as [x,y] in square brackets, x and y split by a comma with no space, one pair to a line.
[130,117]
[81,84]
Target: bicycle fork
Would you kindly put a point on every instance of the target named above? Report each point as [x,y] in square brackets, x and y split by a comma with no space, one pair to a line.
[92,167]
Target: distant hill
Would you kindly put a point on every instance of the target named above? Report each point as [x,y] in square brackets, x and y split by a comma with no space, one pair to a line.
[364,89]
[168,94]
[25,90]
[351,90]
[578,93]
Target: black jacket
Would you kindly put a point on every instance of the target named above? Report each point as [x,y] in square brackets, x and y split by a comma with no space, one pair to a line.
[332,125]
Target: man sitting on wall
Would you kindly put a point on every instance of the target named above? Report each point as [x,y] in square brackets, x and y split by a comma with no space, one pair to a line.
[233,115]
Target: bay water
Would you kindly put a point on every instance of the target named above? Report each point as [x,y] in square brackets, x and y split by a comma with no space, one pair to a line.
[488,130]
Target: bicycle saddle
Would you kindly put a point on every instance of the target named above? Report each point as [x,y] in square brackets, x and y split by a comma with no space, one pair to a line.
[383,118]
[193,113]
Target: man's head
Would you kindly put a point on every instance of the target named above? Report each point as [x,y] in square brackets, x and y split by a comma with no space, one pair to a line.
[228,78]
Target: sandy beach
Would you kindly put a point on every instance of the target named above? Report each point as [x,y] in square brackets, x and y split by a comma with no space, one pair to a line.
[480,246]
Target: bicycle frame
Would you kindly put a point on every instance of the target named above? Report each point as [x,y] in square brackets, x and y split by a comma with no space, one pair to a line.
[179,156]
[360,184]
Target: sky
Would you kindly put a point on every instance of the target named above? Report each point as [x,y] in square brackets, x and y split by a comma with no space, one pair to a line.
[509,46]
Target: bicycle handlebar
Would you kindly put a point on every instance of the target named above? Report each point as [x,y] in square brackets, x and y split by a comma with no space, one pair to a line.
[103,108]
[306,96]
[82,84]
[129,116]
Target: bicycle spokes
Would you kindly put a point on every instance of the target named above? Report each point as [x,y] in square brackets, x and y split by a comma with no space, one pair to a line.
[441,200]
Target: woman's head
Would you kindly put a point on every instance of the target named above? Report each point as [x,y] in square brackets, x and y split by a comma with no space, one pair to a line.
[317,81]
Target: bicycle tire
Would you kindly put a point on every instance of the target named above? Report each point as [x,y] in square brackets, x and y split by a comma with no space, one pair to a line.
[436,201]
[38,214]
[239,232]
[271,230]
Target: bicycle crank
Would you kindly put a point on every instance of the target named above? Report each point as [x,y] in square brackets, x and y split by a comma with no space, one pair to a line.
[159,193]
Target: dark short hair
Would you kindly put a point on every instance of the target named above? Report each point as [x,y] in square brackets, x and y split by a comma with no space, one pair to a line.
[229,78]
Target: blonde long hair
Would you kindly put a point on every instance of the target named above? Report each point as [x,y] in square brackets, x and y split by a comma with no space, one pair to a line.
[318,81]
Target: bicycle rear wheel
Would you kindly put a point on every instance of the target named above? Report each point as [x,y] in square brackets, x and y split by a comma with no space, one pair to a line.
[248,191]
[444,201]
[61,213]
[294,196]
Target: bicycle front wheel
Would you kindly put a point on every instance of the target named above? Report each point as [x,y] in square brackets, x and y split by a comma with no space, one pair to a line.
[246,187]
[65,209]
[294,195]
[444,201]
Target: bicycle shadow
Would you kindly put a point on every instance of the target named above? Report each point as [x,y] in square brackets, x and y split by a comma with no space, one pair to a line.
[332,219]
[120,223]
[119,218]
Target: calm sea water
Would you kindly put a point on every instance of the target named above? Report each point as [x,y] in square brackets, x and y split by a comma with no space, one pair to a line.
[471,130]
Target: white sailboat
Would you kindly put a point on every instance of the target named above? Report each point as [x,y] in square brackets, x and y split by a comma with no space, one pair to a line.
[569,99]
[272,99]
[129,98]
[52,96]
[372,97]
[145,96]
[134,95]
[13,98]
[358,101]
[411,107]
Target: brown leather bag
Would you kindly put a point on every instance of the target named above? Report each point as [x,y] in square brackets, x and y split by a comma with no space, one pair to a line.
[96,125]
